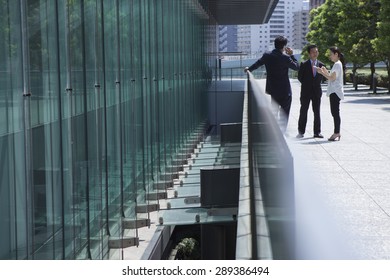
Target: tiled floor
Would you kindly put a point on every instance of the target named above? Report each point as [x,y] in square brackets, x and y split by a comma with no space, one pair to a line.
[345,185]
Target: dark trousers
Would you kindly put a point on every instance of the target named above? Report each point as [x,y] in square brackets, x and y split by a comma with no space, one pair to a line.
[315,104]
[335,110]
[281,106]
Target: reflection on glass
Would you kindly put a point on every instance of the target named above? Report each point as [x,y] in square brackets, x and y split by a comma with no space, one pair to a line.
[117,87]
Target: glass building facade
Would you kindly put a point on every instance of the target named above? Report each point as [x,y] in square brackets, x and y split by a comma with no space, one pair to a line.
[97,99]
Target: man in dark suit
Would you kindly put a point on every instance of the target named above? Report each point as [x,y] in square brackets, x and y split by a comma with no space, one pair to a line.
[310,91]
[277,65]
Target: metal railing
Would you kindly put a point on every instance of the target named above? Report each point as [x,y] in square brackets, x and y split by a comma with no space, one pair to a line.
[266,204]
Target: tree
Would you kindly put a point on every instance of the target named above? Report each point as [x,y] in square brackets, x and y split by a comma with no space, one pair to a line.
[382,42]
[356,32]
[352,26]
[324,26]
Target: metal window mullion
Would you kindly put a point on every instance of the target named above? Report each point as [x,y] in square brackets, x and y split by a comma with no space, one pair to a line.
[182,83]
[68,90]
[148,101]
[119,111]
[190,69]
[107,213]
[133,107]
[157,87]
[154,86]
[13,197]
[60,130]
[164,95]
[68,52]
[97,85]
[175,55]
[85,117]
[27,130]
[169,73]
[8,102]
[179,88]
[149,94]
[142,89]
[189,66]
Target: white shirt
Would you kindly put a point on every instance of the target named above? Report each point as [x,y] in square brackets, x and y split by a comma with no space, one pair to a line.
[336,86]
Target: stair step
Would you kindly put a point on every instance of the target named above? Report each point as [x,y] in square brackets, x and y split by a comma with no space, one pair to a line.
[174,168]
[179,161]
[122,242]
[162,185]
[156,195]
[146,208]
[133,224]
[169,176]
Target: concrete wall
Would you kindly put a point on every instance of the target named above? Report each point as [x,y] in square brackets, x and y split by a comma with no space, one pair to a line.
[225,102]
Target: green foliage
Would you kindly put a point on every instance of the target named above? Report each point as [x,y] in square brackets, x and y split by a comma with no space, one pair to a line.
[382,42]
[324,26]
[364,78]
[357,29]
[188,249]
[349,24]
[360,28]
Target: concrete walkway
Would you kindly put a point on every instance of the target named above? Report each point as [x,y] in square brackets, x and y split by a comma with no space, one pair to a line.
[343,187]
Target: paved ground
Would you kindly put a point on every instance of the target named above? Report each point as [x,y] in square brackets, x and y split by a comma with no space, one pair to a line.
[343,187]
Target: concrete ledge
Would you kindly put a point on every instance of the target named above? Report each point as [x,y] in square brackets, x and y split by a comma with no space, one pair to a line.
[145,208]
[122,242]
[132,223]
[158,243]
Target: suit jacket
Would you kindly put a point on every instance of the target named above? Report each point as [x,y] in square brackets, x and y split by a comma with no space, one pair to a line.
[277,65]
[310,85]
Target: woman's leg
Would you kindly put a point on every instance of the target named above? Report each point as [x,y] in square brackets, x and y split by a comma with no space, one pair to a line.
[335,110]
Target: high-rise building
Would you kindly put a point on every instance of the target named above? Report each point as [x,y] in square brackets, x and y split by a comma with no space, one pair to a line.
[315,3]
[301,22]
[244,38]
[227,38]
[256,39]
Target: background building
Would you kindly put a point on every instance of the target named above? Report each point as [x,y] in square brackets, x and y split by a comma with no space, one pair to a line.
[301,22]
[228,38]
[288,19]
[315,3]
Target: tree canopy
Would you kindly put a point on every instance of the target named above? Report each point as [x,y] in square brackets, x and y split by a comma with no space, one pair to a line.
[349,24]
[382,41]
[360,28]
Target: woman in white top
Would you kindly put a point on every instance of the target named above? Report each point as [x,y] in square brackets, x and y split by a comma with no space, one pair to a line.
[335,88]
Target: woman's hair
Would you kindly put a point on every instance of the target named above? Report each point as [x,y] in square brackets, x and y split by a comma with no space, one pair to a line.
[339,53]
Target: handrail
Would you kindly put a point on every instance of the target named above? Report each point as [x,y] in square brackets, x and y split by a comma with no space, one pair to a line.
[265,228]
